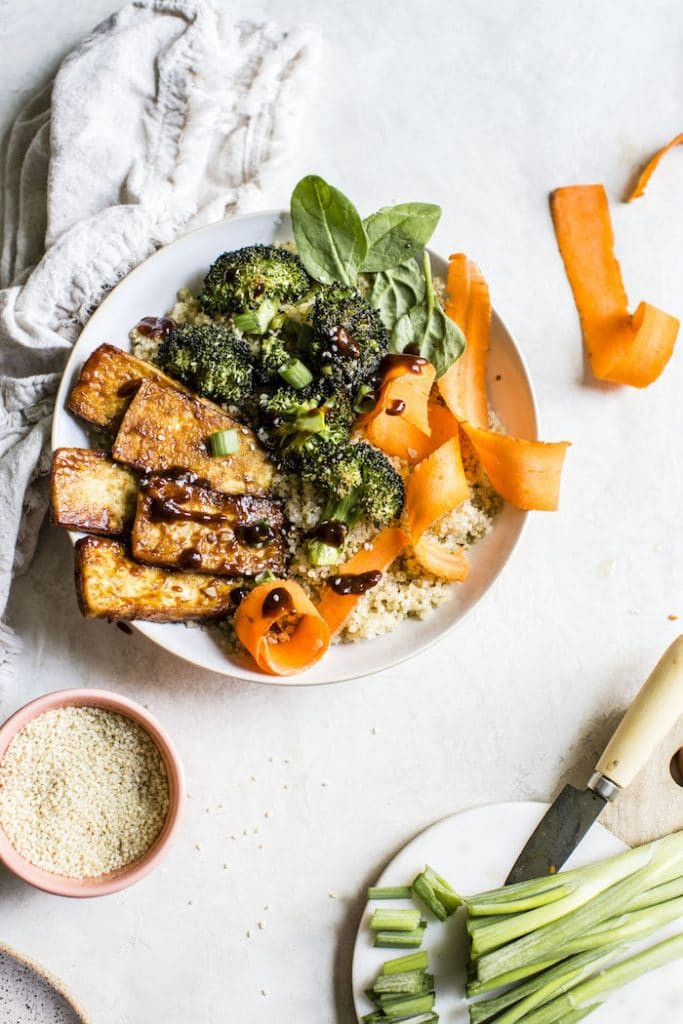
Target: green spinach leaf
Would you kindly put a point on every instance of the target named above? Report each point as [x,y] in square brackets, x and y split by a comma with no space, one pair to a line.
[396,233]
[394,292]
[329,234]
[427,329]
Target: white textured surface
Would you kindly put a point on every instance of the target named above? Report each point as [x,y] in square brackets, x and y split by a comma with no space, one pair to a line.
[483,108]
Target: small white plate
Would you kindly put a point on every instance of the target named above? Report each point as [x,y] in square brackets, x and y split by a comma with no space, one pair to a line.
[151,289]
[29,995]
[474,850]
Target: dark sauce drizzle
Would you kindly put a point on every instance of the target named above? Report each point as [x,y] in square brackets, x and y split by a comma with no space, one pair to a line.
[156,327]
[330,532]
[354,584]
[403,360]
[190,558]
[395,407]
[277,600]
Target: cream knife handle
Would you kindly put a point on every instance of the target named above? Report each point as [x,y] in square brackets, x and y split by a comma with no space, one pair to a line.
[656,709]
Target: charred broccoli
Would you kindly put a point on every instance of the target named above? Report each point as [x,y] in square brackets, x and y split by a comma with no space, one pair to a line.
[294,422]
[349,338]
[210,360]
[241,281]
[360,483]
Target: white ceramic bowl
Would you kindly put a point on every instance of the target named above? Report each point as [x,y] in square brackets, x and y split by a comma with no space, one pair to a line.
[151,289]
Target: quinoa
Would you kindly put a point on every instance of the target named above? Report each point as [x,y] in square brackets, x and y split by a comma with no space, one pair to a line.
[406,590]
[83,791]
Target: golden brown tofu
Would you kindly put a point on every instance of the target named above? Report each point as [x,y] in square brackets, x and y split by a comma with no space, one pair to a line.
[110,585]
[179,523]
[107,384]
[91,492]
[164,429]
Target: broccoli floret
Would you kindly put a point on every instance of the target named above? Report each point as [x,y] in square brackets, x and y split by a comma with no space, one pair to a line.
[240,281]
[211,360]
[361,483]
[294,422]
[349,338]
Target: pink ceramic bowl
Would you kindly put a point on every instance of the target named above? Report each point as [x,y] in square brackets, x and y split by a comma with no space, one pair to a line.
[133,872]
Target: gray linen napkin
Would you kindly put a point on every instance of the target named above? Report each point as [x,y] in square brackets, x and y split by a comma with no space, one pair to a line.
[165,118]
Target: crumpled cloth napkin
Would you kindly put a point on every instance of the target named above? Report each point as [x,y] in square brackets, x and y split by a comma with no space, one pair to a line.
[165,118]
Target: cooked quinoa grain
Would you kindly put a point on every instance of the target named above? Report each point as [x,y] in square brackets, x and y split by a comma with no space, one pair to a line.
[83,791]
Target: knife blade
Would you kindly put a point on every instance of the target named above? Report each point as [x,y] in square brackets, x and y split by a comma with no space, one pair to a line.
[656,708]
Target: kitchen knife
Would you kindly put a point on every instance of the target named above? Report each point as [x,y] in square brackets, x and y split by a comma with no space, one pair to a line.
[655,710]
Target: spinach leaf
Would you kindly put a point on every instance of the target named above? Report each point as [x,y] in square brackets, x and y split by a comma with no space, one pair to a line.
[396,233]
[396,291]
[329,234]
[427,329]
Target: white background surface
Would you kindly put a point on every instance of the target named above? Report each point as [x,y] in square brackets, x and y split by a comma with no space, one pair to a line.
[483,108]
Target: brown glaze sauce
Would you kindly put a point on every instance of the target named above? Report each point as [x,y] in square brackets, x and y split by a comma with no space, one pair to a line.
[403,361]
[255,535]
[237,595]
[395,407]
[343,343]
[190,558]
[354,584]
[330,532]
[277,600]
[167,510]
[156,327]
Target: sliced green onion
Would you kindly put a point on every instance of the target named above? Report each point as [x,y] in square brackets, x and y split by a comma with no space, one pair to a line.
[436,893]
[378,1017]
[407,983]
[405,1007]
[257,321]
[393,919]
[224,442]
[265,577]
[389,892]
[411,962]
[295,373]
[400,940]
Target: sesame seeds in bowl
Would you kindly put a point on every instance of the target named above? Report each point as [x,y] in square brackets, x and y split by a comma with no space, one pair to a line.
[91,790]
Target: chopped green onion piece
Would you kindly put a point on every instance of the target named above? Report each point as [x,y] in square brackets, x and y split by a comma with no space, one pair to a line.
[400,940]
[404,1007]
[257,321]
[320,553]
[392,919]
[296,374]
[389,892]
[265,577]
[436,893]
[224,442]
[408,983]
[378,1017]
[411,962]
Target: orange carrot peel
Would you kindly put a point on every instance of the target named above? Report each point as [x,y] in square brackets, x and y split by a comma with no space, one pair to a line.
[399,423]
[623,349]
[282,639]
[463,386]
[386,547]
[435,487]
[651,167]
[525,473]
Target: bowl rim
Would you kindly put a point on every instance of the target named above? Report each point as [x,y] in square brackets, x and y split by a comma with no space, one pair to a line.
[102,885]
[300,678]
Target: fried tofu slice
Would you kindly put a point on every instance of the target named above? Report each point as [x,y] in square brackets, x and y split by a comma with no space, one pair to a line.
[166,429]
[91,492]
[181,524]
[107,383]
[110,585]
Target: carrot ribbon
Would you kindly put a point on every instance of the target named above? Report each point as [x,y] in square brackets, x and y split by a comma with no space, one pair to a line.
[277,650]
[399,423]
[651,167]
[463,386]
[435,487]
[623,349]
[386,547]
